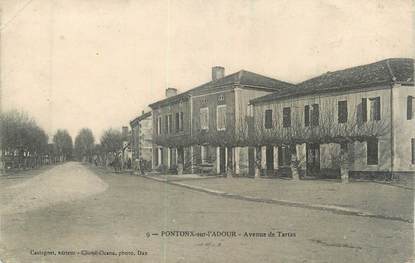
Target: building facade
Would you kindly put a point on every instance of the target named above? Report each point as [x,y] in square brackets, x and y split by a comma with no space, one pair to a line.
[142,139]
[362,117]
[205,128]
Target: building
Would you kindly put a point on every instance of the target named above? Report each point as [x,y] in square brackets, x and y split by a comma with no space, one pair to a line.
[141,139]
[205,128]
[362,117]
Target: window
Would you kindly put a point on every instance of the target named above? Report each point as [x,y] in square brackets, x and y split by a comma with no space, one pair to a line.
[372,151]
[286,117]
[181,119]
[204,118]
[221,117]
[170,123]
[375,109]
[409,108]
[221,97]
[177,122]
[306,115]
[413,150]
[342,111]
[268,119]
[159,125]
[364,110]
[315,113]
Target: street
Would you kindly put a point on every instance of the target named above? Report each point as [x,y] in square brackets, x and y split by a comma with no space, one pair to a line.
[79,213]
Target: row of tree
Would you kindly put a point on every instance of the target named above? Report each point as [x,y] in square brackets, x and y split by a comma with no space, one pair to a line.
[23,144]
[109,148]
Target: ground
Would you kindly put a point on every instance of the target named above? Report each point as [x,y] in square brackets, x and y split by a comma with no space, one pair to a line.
[74,207]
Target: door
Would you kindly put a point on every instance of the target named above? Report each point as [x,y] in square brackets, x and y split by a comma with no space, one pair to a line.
[222,160]
[251,158]
[270,158]
[313,159]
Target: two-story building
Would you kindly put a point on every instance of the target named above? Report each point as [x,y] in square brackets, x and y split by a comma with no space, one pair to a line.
[205,127]
[364,114]
[142,140]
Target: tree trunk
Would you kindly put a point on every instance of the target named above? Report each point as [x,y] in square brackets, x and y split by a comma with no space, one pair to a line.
[257,162]
[229,168]
[294,164]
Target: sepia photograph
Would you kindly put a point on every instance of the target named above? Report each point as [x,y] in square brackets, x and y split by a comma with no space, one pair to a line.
[237,131]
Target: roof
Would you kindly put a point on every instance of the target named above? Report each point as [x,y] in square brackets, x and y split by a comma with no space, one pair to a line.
[141,117]
[242,77]
[388,71]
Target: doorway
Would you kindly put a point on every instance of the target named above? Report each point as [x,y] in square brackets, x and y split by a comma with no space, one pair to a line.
[222,160]
[313,159]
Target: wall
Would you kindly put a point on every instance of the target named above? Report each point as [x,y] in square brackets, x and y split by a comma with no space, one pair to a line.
[404,130]
[172,108]
[145,138]
[328,113]
[211,100]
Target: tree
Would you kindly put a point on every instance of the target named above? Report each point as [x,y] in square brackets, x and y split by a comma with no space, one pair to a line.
[324,129]
[63,144]
[23,142]
[111,141]
[84,144]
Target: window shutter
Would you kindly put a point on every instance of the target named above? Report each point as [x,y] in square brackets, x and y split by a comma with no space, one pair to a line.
[409,109]
[307,115]
[377,108]
[286,119]
[268,119]
[342,111]
[315,115]
[181,121]
[364,110]
[177,121]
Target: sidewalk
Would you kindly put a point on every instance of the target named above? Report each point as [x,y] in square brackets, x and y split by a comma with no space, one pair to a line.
[358,198]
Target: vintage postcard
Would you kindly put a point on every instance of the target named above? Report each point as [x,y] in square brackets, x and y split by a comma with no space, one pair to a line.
[207,131]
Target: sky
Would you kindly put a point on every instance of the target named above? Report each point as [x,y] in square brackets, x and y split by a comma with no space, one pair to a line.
[98,63]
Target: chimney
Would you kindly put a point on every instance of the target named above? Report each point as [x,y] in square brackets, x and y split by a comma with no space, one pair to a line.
[218,72]
[170,92]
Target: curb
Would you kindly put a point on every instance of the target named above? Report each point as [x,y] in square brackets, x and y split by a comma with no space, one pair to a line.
[328,208]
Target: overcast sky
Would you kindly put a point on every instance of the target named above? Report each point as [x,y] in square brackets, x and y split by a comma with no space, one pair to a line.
[98,63]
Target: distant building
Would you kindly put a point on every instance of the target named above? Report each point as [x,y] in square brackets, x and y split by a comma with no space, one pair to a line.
[141,138]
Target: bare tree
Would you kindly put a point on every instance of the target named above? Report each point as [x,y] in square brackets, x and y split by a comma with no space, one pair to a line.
[63,143]
[84,145]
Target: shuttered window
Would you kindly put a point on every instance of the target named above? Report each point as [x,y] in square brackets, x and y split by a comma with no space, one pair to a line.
[221,117]
[306,115]
[364,110]
[177,122]
[286,117]
[181,122]
[204,118]
[375,109]
[315,115]
[268,119]
[159,125]
[342,111]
